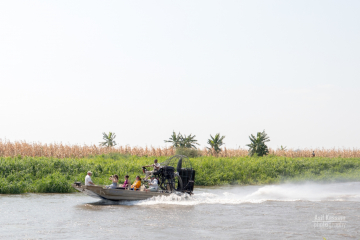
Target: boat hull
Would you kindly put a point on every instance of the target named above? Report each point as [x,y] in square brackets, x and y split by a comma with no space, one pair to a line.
[117,194]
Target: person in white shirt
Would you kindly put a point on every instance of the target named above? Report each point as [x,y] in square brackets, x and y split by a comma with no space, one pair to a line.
[156,167]
[154,184]
[88,181]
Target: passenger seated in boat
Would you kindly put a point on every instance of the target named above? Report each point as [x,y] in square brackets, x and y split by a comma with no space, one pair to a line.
[126,182]
[154,184]
[115,180]
[156,167]
[88,181]
[137,184]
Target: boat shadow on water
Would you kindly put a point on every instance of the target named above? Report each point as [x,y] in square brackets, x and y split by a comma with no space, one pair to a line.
[105,202]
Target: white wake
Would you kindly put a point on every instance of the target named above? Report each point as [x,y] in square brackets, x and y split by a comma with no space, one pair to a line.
[258,194]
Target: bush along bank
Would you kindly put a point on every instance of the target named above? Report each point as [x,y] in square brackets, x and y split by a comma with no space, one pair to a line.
[53,175]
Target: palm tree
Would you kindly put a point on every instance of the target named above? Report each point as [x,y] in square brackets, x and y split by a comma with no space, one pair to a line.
[109,140]
[282,148]
[180,141]
[188,141]
[174,139]
[257,145]
[215,142]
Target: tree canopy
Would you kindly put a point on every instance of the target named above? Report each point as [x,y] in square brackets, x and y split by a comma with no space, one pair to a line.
[257,145]
[180,141]
[215,142]
[109,140]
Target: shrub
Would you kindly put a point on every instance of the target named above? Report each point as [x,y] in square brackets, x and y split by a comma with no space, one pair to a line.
[189,152]
[53,175]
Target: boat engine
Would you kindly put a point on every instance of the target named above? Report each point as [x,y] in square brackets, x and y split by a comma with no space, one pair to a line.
[78,184]
[182,179]
[187,177]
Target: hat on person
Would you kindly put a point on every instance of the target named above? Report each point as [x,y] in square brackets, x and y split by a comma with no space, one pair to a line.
[89,172]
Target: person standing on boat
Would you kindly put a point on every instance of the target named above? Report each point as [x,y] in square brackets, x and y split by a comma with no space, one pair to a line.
[153,185]
[88,181]
[156,167]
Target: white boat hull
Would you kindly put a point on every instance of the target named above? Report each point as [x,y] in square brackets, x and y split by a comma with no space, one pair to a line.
[118,194]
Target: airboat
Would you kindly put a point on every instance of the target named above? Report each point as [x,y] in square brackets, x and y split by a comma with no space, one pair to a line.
[176,176]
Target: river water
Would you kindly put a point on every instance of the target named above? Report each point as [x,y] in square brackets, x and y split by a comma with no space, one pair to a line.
[287,211]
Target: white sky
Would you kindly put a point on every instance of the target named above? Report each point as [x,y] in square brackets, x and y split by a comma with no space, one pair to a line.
[70,70]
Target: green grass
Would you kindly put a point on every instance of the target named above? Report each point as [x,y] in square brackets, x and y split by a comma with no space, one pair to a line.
[52,175]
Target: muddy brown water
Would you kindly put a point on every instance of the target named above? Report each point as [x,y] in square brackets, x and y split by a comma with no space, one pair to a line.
[286,211]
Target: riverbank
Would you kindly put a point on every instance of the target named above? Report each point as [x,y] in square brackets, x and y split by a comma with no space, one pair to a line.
[54,175]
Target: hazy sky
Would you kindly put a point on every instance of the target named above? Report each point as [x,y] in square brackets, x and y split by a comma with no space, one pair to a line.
[70,70]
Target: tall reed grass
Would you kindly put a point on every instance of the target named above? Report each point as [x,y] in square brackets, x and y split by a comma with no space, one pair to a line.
[59,150]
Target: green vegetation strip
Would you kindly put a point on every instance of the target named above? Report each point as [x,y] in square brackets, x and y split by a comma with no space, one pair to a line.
[51,175]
